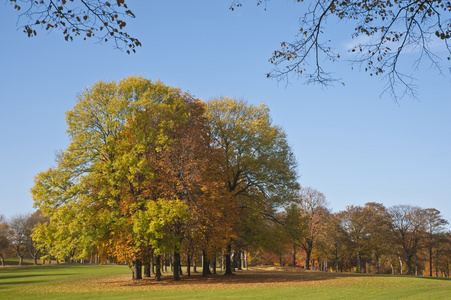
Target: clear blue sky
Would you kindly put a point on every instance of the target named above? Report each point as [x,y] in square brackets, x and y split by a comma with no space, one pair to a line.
[351,144]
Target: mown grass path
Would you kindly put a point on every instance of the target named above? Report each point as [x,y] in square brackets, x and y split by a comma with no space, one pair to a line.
[113,282]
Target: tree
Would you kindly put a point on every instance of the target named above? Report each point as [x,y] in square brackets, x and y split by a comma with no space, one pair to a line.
[139,177]
[408,226]
[113,174]
[378,229]
[32,222]
[434,226]
[334,240]
[4,239]
[103,20]
[312,205]
[18,237]
[259,166]
[295,226]
[354,222]
[388,29]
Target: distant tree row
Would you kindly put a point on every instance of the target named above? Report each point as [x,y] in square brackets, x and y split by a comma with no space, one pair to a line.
[404,238]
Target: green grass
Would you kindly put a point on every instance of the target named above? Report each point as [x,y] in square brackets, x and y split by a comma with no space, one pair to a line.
[73,281]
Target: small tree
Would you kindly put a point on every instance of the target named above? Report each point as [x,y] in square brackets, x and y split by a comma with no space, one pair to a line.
[312,205]
[32,246]
[18,235]
[4,240]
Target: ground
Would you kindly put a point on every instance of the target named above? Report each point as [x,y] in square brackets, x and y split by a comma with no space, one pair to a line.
[74,281]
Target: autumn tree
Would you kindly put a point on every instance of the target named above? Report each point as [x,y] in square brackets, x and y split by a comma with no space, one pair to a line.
[383,33]
[258,163]
[18,237]
[102,20]
[295,224]
[333,240]
[312,205]
[378,229]
[4,239]
[408,226]
[434,226]
[355,225]
[33,220]
[142,169]
[113,173]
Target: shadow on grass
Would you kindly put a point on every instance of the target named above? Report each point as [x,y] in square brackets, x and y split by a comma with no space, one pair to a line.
[435,278]
[254,276]
[16,276]
[14,280]
[251,277]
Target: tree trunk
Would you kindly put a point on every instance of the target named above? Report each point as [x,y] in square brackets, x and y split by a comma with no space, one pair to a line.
[359,263]
[436,265]
[294,255]
[20,260]
[158,268]
[188,262]
[238,259]
[409,265]
[377,264]
[176,266]
[205,265]
[430,260]
[228,261]
[245,260]
[2,259]
[213,265]
[307,259]
[326,266]
[194,265]
[400,264]
[147,269]
[136,270]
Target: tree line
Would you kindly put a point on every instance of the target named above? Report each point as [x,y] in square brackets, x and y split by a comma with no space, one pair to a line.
[401,239]
[152,175]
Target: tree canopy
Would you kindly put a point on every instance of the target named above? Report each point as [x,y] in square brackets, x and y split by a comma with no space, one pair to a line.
[147,173]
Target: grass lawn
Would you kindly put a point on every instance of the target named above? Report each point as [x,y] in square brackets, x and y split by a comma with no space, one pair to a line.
[73,281]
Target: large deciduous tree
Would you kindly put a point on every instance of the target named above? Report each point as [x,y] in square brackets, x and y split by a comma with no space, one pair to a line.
[138,165]
[259,166]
